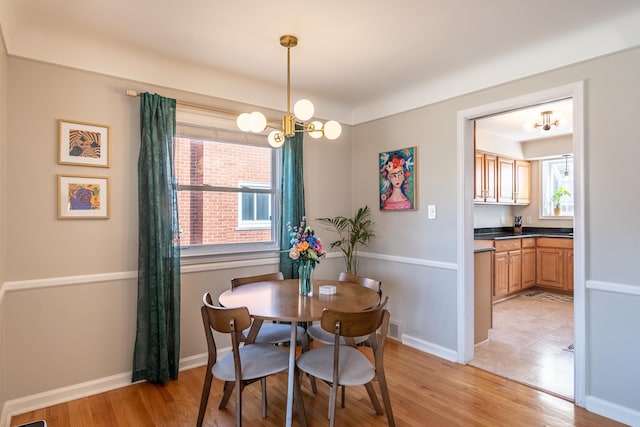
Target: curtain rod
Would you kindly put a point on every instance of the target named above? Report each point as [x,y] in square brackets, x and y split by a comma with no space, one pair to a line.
[135,93]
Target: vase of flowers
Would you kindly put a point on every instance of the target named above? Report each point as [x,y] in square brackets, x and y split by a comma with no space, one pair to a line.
[306,251]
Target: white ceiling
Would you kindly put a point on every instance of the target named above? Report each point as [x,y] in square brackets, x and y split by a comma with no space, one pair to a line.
[511,125]
[357,60]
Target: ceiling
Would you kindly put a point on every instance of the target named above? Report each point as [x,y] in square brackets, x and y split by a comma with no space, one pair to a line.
[358,60]
[511,125]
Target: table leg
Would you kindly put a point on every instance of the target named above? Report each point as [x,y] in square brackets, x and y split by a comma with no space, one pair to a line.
[292,372]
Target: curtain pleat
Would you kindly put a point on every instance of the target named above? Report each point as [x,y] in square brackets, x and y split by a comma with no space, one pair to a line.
[157,347]
[292,206]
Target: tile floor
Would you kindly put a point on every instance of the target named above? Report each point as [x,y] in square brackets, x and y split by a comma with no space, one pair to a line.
[528,343]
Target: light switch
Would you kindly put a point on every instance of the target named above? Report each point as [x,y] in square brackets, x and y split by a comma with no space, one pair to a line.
[431,211]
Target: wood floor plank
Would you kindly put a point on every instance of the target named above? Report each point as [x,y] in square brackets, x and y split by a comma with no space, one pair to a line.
[425,391]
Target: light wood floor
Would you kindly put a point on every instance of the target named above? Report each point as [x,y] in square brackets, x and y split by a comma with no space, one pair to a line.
[528,342]
[425,391]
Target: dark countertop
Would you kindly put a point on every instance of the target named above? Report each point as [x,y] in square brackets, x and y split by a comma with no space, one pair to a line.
[500,233]
[482,248]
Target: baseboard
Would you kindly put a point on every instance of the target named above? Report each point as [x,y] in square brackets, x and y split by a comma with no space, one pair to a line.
[77,391]
[430,348]
[612,411]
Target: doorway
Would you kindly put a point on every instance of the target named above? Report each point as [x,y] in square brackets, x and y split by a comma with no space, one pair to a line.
[465,222]
[531,338]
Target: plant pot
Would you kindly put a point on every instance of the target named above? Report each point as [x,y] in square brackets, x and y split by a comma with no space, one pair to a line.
[556,211]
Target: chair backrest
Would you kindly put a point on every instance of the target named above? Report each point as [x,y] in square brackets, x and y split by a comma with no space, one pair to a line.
[354,324]
[227,320]
[239,281]
[373,284]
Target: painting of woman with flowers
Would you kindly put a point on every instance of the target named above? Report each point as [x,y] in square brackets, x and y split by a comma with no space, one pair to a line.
[397,179]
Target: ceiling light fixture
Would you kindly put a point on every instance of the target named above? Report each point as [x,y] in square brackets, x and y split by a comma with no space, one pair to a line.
[546,125]
[303,110]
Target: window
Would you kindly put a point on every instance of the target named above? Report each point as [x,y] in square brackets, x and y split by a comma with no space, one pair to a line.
[227,189]
[557,174]
[254,209]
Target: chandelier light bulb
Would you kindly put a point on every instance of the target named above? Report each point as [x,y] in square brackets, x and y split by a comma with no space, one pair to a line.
[303,109]
[317,129]
[275,139]
[332,129]
[258,122]
[244,122]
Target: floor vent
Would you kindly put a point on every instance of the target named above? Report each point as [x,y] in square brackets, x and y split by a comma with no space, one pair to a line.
[394,330]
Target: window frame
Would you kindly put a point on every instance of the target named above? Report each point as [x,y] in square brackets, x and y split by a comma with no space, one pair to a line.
[547,188]
[206,126]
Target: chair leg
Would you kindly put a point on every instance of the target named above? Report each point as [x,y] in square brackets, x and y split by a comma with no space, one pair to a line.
[228,389]
[298,400]
[333,396]
[238,403]
[374,398]
[206,388]
[384,390]
[343,393]
[263,385]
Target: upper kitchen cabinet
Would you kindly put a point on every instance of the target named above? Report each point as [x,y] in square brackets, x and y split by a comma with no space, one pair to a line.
[501,180]
[522,175]
[486,178]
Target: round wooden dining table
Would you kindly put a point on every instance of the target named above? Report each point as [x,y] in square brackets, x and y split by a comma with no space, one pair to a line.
[280,300]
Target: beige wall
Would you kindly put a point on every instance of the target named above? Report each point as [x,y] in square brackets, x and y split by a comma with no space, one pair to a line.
[72,283]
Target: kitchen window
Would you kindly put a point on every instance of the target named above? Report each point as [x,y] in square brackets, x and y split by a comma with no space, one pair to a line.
[557,187]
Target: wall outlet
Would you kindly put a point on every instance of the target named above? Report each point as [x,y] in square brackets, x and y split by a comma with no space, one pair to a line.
[529,220]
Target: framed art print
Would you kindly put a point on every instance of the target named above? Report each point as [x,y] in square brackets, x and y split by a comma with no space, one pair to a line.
[83,197]
[397,179]
[83,144]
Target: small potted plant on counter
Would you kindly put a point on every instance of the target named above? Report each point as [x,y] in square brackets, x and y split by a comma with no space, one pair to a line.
[555,199]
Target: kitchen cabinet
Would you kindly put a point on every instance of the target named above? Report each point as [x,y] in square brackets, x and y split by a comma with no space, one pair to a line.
[522,182]
[554,263]
[505,180]
[528,262]
[501,180]
[507,267]
[483,282]
[514,181]
[485,177]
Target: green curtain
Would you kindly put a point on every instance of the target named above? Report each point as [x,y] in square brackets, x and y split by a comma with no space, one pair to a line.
[157,348]
[292,196]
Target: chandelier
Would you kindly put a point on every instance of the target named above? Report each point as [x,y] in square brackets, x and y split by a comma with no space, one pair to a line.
[546,125]
[303,110]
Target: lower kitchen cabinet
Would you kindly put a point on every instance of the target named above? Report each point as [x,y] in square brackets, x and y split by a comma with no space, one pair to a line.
[554,263]
[507,267]
[528,262]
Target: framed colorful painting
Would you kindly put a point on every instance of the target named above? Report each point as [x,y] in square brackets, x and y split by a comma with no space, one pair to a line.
[83,144]
[83,197]
[397,179]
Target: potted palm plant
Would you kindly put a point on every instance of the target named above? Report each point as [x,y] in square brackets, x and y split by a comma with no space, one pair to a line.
[352,233]
[555,199]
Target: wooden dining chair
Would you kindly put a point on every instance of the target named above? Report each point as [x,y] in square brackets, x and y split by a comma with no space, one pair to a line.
[272,333]
[345,365]
[245,364]
[316,332]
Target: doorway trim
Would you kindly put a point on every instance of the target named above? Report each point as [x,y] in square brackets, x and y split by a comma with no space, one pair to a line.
[465,281]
